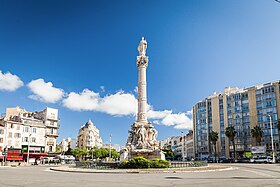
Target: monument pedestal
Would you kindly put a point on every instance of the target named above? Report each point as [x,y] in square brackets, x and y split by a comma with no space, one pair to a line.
[148,154]
[142,142]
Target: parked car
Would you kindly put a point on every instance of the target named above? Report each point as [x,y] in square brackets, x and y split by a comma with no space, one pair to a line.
[262,159]
[244,160]
[227,160]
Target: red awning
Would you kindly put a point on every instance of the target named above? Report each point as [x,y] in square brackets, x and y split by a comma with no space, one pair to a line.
[35,155]
[11,158]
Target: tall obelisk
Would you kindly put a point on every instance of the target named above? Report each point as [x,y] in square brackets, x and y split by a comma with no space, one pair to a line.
[142,136]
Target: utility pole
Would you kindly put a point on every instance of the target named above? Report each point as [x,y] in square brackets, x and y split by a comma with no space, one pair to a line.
[110,147]
[183,146]
[28,148]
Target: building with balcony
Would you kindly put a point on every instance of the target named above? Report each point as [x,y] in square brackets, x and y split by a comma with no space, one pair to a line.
[2,137]
[189,145]
[241,108]
[38,129]
[49,116]
[88,136]
[176,144]
[67,143]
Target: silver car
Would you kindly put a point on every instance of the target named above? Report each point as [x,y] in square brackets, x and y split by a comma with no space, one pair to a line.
[262,159]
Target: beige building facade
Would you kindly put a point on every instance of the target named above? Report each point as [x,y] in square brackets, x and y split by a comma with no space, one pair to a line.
[241,108]
[23,129]
[89,136]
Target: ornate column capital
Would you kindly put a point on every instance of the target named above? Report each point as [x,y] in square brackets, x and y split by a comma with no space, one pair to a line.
[142,61]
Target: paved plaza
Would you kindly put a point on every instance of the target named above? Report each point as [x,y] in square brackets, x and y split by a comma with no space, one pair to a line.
[241,175]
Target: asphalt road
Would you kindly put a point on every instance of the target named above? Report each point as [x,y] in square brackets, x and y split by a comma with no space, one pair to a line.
[242,175]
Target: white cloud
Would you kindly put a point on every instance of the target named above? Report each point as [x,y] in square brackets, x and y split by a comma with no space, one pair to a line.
[168,118]
[9,82]
[180,121]
[136,89]
[158,114]
[119,103]
[102,88]
[86,100]
[44,91]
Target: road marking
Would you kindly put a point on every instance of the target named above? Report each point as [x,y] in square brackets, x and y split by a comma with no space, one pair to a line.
[259,173]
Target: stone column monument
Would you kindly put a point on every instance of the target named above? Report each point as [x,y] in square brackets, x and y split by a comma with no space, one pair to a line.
[142,136]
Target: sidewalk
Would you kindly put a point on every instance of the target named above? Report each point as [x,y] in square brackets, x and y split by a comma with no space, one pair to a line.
[122,171]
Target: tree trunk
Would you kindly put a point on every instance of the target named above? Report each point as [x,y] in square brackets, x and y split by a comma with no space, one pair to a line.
[215,149]
[234,152]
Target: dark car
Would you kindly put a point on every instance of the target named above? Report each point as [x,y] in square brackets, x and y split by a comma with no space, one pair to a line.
[227,160]
[244,160]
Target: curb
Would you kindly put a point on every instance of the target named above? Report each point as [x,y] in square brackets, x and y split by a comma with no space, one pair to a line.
[171,170]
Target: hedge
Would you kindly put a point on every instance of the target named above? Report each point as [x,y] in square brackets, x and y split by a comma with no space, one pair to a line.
[141,162]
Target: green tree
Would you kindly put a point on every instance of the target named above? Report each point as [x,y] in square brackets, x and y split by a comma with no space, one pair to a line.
[76,152]
[214,136]
[231,133]
[115,154]
[257,133]
[101,153]
[169,154]
[84,154]
[80,153]
[58,149]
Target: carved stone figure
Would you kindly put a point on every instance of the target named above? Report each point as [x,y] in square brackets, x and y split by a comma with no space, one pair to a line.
[142,133]
[142,47]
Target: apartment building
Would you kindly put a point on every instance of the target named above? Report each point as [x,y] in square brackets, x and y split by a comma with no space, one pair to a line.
[182,146]
[241,108]
[49,117]
[23,129]
[67,143]
[88,136]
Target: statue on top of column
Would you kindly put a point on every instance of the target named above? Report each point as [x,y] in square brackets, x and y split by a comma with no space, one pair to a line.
[142,47]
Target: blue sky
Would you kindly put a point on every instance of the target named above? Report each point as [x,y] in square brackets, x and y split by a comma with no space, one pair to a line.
[79,57]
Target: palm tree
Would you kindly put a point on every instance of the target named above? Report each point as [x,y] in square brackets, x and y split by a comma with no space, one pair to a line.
[231,133]
[214,136]
[278,126]
[257,133]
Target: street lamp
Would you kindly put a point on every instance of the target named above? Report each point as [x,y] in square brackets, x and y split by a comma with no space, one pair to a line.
[183,146]
[271,134]
[110,147]
[28,148]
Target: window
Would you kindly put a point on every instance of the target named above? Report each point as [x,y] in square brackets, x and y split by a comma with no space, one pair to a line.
[1,131]
[1,140]
[10,135]
[51,123]
[34,130]
[25,139]
[33,140]
[17,135]
[25,129]
[18,127]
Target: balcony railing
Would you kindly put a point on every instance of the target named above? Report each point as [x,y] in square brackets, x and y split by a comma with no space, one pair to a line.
[53,126]
[51,134]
